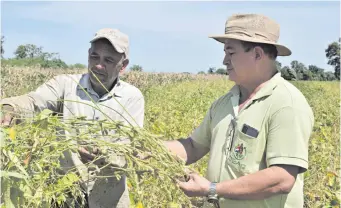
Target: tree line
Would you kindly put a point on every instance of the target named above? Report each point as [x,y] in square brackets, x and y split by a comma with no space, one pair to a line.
[32,55]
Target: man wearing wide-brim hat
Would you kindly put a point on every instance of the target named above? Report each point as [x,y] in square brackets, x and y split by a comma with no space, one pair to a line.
[257,134]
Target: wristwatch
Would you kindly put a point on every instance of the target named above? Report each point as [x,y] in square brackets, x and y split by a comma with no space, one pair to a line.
[212,193]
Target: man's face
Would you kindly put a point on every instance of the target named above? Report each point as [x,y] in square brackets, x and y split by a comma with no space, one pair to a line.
[105,63]
[239,64]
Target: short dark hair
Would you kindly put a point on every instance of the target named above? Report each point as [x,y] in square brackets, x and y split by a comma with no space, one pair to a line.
[268,49]
[102,40]
[107,42]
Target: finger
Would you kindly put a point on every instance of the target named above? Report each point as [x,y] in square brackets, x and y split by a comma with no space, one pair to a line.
[187,178]
[86,154]
[6,122]
[96,151]
[83,150]
[185,188]
[191,176]
[189,170]
[182,185]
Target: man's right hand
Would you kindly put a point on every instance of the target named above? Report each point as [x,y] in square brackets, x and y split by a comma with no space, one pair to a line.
[7,114]
[86,156]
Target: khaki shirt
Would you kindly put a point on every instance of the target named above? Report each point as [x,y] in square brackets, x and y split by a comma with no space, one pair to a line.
[103,193]
[272,128]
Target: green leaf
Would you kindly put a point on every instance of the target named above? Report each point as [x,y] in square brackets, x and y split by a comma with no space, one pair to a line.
[45,114]
[7,194]
[15,160]
[11,174]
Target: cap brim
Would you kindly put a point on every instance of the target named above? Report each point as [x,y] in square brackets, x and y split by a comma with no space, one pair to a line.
[282,50]
[118,49]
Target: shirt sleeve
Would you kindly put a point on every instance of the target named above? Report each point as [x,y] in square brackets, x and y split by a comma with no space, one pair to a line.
[46,96]
[202,134]
[289,132]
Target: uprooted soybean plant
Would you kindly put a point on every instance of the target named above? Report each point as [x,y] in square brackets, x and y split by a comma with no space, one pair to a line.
[34,172]
[31,171]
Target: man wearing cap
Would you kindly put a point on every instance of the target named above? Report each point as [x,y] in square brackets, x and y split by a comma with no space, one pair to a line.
[72,95]
[257,134]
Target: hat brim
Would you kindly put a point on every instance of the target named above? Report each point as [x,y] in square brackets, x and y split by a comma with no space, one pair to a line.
[113,43]
[282,50]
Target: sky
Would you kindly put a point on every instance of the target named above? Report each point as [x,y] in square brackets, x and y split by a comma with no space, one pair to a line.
[167,36]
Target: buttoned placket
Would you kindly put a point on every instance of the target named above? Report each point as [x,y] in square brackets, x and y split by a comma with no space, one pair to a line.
[231,131]
[233,124]
[96,115]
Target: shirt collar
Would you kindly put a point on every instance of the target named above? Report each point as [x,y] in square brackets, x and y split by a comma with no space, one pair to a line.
[264,91]
[85,83]
[268,87]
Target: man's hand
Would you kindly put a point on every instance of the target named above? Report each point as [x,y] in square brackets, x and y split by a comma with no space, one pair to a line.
[86,155]
[195,186]
[7,115]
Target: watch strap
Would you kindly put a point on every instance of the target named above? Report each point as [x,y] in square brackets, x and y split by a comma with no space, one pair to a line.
[212,193]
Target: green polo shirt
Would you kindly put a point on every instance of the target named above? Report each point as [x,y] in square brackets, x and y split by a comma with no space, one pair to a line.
[272,128]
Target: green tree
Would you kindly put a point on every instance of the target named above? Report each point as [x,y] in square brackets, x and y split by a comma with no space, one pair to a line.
[288,73]
[136,68]
[201,72]
[28,51]
[300,69]
[333,54]
[2,47]
[54,63]
[50,60]
[77,66]
[307,75]
[21,52]
[34,51]
[31,55]
[221,71]
[317,72]
[278,65]
[330,76]
[211,70]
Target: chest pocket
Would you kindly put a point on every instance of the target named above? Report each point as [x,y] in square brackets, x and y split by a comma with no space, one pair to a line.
[246,147]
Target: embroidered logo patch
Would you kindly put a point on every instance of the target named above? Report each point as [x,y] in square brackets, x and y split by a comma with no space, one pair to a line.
[239,152]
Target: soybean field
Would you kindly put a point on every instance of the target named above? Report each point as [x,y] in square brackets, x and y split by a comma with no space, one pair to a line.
[175,106]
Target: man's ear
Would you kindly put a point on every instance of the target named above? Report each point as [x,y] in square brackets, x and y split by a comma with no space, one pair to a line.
[125,64]
[259,53]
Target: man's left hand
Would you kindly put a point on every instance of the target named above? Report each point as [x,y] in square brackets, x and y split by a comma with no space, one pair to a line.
[196,186]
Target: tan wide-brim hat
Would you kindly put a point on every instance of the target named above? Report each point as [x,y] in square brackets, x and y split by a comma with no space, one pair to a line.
[253,28]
